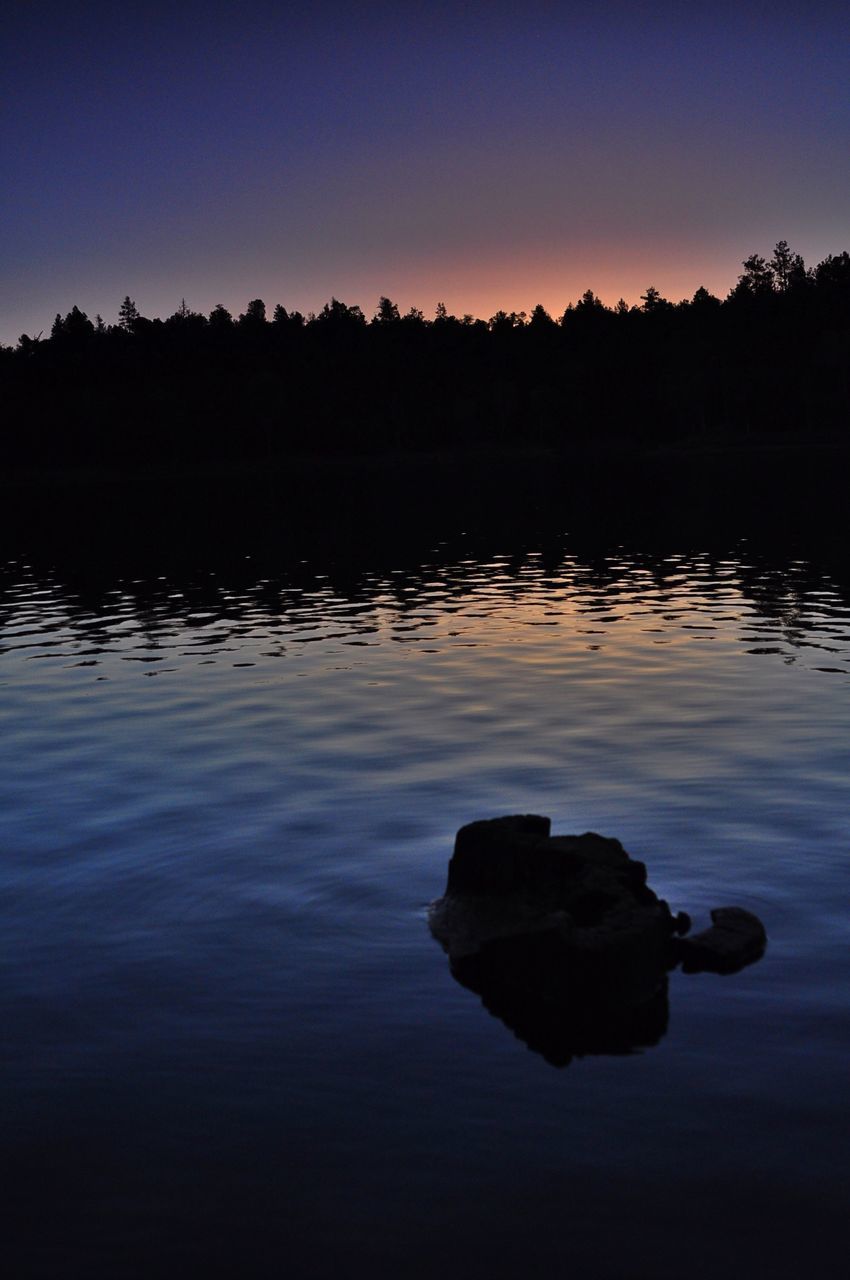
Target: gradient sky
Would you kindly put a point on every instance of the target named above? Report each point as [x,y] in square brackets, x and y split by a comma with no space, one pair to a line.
[490,156]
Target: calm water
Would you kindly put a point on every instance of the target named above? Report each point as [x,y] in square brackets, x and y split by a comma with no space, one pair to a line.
[227,800]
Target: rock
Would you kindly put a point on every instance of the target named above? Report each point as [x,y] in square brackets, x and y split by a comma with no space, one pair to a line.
[736,938]
[509,876]
[563,939]
[492,856]
[559,935]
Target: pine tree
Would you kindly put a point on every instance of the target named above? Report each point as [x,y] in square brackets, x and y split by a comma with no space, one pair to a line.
[128,314]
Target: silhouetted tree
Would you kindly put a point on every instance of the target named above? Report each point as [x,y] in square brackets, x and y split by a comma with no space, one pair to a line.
[185,317]
[501,322]
[704,300]
[387,312]
[220,318]
[788,268]
[335,315]
[540,319]
[75,327]
[254,316]
[128,314]
[756,280]
[653,301]
[834,272]
[589,302]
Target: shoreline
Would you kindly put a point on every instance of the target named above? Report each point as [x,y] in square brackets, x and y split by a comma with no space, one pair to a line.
[339,509]
[617,452]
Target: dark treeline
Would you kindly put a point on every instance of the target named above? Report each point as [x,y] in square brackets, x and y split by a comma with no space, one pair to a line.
[773,356]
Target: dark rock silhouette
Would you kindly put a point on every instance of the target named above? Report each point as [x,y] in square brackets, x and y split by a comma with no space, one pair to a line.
[735,939]
[563,939]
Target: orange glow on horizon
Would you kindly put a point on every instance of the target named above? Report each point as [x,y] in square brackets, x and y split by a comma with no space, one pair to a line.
[503,280]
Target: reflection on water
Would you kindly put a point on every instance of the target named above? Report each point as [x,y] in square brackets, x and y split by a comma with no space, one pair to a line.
[511,978]
[227,797]
[435,607]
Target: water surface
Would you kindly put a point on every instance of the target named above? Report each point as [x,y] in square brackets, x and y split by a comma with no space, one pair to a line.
[228,796]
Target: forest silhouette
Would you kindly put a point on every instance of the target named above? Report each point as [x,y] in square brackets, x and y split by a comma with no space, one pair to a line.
[774,356]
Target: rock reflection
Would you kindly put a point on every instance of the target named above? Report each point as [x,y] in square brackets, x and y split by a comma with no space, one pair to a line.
[553,1010]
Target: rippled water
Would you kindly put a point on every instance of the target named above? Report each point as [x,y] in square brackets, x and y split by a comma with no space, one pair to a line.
[227,799]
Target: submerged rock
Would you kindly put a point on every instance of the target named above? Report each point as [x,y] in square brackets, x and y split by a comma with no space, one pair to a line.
[564,940]
[736,938]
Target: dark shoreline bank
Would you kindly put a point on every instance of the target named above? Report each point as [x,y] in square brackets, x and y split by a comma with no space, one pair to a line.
[770,502]
[761,470]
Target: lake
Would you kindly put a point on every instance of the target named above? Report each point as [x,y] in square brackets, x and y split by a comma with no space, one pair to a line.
[230,786]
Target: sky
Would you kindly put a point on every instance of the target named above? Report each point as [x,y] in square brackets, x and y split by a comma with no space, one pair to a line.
[487,156]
